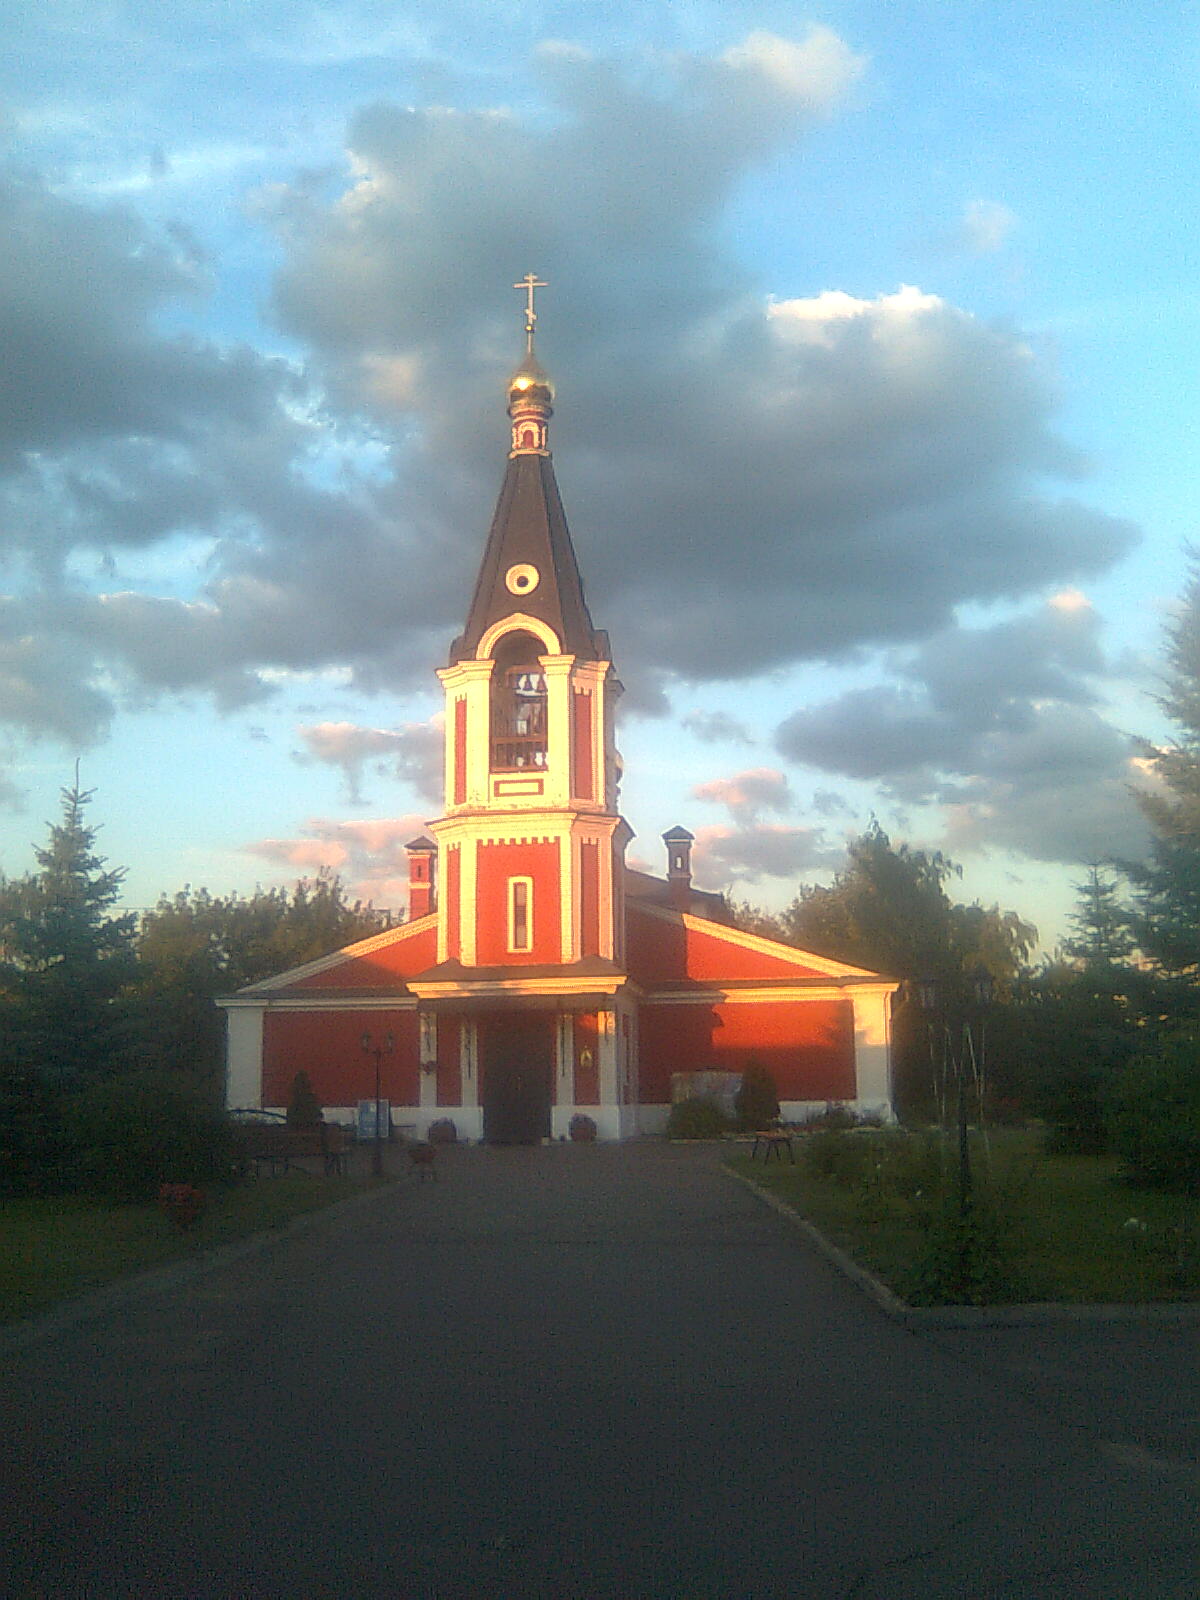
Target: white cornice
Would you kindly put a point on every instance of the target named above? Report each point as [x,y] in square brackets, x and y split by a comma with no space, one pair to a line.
[765,994]
[481,988]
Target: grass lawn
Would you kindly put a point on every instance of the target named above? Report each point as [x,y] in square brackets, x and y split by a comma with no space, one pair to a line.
[1065,1221]
[51,1249]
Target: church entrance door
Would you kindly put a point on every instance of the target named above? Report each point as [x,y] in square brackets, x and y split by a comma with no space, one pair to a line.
[517,1080]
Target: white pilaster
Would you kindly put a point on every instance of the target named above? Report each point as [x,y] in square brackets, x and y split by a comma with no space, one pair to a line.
[608,1114]
[873,1049]
[468,1061]
[243,1055]
[558,728]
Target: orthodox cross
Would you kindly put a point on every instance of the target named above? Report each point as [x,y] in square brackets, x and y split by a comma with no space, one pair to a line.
[529,283]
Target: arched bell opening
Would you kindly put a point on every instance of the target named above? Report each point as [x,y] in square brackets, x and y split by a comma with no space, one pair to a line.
[518,704]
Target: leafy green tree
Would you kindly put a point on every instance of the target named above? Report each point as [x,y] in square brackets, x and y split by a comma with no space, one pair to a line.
[68,960]
[1153,1113]
[888,910]
[195,945]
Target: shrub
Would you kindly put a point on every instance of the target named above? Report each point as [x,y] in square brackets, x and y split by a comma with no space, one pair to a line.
[36,1153]
[582,1129]
[835,1117]
[134,1132]
[964,1260]
[1153,1112]
[304,1109]
[443,1131]
[696,1118]
[839,1157]
[757,1101]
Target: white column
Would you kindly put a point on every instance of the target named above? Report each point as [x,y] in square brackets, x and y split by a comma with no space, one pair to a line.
[609,1114]
[563,1101]
[243,1055]
[873,1050]
[427,1089]
[558,728]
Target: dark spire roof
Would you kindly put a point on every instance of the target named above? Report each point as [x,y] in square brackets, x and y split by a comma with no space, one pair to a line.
[529,564]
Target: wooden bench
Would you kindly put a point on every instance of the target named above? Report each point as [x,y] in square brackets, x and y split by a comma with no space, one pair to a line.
[278,1146]
[773,1141]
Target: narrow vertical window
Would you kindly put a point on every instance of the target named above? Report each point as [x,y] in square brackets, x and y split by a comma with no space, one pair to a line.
[520,914]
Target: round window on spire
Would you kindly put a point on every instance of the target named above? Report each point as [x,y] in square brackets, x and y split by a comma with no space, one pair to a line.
[522,579]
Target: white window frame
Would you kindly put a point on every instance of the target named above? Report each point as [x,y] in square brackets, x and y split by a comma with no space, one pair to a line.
[513,885]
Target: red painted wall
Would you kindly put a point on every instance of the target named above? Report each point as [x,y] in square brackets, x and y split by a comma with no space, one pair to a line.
[589,898]
[452,909]
[328,1046]
[659,950]
[807,1044]
[497,863]
[460,752]
[584,776]
[449,1063]
[410,950]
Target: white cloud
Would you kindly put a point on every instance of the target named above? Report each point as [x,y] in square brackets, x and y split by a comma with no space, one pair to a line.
[986,226]
[368,855]
[816,70]
[748,794]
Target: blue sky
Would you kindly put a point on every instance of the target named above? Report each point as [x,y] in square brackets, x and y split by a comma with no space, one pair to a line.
[874,330]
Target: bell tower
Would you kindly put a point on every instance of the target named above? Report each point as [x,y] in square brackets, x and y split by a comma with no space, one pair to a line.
[531,845]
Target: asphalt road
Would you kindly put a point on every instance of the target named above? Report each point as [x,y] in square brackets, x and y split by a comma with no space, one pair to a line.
[585,1371]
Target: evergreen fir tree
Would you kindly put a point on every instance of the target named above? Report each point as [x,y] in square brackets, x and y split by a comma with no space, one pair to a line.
[1167,918]
[67,960]
[1101,932]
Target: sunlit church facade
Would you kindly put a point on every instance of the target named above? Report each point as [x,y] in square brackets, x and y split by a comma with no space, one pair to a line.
[538,975]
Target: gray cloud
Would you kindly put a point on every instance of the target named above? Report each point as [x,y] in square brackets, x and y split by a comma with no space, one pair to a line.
[725,856]
[413,753]
[1001,726]
[717,727]
[750,484]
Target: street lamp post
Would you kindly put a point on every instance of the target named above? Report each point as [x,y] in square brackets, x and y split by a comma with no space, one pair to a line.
[378,1050]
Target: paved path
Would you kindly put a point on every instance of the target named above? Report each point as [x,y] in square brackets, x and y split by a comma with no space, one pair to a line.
[574,1371]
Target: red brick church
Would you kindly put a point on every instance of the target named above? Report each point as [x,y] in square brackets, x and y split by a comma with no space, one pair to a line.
[538,975]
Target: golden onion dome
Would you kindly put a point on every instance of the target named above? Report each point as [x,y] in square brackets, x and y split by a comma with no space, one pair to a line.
[530,382]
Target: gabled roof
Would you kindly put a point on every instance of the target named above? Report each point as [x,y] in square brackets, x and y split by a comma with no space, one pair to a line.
[530,529]
[379,961]
[674,949]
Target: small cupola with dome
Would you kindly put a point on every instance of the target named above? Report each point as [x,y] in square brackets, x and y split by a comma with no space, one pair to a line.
[530,391]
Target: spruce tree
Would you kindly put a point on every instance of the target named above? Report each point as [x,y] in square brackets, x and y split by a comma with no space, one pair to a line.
[1167,918]
[1101,935]
[67,960]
